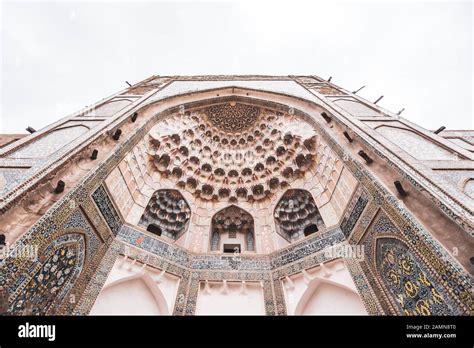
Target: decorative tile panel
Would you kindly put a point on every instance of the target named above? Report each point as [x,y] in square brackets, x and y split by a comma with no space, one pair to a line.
[101,198]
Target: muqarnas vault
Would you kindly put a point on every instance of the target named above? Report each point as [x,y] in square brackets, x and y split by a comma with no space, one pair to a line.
[266,195]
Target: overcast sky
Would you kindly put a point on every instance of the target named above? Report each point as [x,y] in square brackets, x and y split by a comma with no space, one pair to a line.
[59,57]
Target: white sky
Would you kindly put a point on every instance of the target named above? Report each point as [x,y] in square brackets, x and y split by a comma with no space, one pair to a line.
[59,57]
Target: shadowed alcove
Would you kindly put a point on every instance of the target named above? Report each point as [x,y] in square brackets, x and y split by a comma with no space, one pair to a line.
[232,230]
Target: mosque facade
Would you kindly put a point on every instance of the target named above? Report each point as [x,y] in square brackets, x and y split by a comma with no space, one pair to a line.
[237,195]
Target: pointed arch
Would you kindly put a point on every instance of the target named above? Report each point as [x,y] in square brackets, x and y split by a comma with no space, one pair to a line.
[234,226]
[468,187]
[53,278]
[296,215]
[342,299]
[119,294]
[166,214]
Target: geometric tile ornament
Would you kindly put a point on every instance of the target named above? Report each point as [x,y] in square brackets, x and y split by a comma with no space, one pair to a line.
[348,223]
[107,209]
[50,143]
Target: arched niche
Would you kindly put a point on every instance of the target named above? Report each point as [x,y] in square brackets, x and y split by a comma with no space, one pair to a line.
[407,280]
[415,144]
[134,295]
[232,230]
[49,143]
[326,297]
[296,215]
[166,214]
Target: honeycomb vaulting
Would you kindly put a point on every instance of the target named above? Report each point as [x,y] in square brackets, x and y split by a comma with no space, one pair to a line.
[233,152]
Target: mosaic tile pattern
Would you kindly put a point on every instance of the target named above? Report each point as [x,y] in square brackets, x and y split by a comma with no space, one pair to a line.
[349,222]
[306,248]
[365,290]
[365,220]
[414,290]
[90,293]
[49,143]
[53,279]
[409,279]
[170,252]
[387,303]
[76,221]
[43,283]
[183,258]
[10,177]
[223,262]
[59,227]
[414,144]
[101,198]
